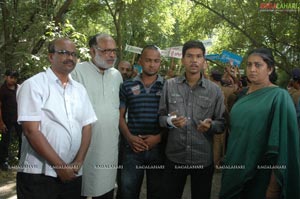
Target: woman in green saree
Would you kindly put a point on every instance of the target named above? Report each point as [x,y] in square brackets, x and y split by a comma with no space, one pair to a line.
[262,158]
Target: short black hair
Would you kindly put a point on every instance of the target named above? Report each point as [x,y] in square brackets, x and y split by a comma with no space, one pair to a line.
[295,74]
[216,75]
[244,81]
[192,44]
[12,73]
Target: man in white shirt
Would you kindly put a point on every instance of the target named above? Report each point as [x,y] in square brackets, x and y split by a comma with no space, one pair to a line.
[102,82]
[56,116]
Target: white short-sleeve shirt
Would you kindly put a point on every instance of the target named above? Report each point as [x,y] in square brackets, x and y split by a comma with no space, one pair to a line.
[62,112]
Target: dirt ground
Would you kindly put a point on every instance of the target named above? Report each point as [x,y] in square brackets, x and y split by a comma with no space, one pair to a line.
[8,185]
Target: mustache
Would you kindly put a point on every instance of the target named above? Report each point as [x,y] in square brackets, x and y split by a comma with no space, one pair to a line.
[69,62]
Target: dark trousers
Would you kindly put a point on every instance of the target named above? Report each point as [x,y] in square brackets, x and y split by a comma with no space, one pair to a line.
[7,138]
[108,195]
[134,167]
[175,176]
[39,186]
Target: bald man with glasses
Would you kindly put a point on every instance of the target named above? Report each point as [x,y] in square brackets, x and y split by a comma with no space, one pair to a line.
[56,115]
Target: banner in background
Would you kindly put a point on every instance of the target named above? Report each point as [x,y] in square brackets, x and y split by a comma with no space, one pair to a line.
[229,57]
[176,52]
[133,49]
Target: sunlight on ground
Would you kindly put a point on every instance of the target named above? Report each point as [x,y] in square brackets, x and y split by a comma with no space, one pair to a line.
[8,185]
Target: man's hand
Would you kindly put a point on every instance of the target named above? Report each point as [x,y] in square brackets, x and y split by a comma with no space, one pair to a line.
[137,143]
[204,126]
[76,166]
[151,140]
[3,128]
[179,122]
[65,173]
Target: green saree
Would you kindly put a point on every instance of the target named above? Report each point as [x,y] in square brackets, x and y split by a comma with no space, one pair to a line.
[264,137]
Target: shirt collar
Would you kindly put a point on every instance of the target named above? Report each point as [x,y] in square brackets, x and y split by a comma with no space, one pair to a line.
[138,78]
[54,78]
[202,82]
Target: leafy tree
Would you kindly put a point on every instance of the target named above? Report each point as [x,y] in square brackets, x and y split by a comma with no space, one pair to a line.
[27,25]
[243,26]
[237,26]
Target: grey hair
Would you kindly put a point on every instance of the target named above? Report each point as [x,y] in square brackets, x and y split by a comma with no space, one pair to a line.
[100,36]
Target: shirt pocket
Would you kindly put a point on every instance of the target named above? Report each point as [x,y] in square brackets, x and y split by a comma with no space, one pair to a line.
[203,109]
[176,104]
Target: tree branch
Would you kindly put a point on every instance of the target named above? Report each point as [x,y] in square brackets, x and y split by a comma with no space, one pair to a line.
[234,25]
[57,19]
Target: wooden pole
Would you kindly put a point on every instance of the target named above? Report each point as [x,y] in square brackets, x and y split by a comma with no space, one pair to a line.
[133,58]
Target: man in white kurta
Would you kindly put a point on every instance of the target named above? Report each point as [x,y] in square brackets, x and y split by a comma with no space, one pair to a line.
[102,83]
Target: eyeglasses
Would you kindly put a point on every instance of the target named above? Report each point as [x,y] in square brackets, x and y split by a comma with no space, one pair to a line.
[107,51]
[66,53]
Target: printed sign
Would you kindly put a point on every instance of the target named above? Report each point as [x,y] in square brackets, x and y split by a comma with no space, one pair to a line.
[133,49]
[229,57]
[176,52]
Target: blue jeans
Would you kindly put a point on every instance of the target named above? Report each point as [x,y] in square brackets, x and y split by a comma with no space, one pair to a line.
[132,173]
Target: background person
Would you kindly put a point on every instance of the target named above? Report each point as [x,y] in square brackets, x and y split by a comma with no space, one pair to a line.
[125,69]
[8,117]
[294,91]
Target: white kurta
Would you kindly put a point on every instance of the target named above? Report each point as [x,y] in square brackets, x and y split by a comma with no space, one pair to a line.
[100,166]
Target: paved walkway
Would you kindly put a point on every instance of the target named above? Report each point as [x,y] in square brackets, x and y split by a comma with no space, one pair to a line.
[8,186]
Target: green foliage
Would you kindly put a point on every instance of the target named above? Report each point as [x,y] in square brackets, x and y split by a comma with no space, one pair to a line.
[241,26]
[32,64]
[237,26]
